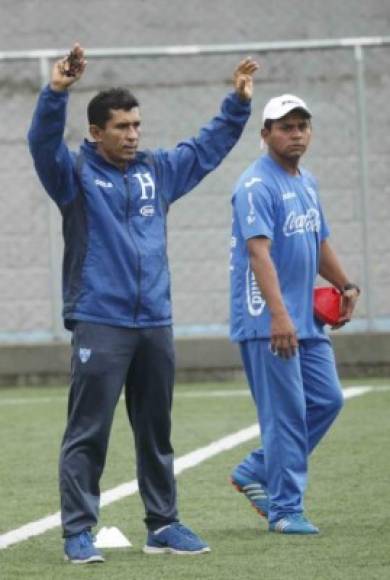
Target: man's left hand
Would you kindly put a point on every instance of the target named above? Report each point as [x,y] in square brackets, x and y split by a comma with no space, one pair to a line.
[348,303]
[243,78]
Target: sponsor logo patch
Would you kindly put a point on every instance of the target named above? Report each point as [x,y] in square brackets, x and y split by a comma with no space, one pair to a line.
[288,195]
[302,223]
[105,184]
[147,210]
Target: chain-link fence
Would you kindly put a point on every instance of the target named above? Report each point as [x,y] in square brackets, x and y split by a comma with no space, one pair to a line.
[346,83]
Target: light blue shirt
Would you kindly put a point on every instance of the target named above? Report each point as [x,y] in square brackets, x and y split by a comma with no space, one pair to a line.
[268,201]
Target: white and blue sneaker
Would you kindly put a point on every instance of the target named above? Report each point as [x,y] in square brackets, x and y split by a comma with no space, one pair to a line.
[79,549]
[253,490]
[174,539]
[293,524]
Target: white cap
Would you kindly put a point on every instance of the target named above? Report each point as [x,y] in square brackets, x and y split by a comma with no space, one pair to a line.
[278,107]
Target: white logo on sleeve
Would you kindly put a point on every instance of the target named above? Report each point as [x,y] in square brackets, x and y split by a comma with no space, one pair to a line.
[302,223]
[84,354]
[252,181]
[251,217]
[254,298]
[233,245]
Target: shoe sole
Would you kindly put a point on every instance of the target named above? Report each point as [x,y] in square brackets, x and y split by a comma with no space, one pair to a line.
[261,512]
[295,533]
[92,560]
[153,550]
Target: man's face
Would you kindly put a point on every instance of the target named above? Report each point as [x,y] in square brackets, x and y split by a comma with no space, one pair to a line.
[289,137]
[118,141]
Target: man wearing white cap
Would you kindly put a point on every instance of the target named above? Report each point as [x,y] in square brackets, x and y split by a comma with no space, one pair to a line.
[279,245]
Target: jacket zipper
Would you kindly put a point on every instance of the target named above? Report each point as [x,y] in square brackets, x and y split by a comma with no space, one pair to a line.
[138,300]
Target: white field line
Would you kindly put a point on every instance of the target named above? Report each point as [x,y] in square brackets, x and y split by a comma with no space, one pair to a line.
[189,395]
[187,461]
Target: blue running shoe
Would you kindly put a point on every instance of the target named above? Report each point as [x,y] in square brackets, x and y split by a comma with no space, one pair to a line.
[253,490]
[293,524]
[79,549]
[174,539]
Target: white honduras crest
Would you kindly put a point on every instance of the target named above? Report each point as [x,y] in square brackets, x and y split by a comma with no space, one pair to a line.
[84,354]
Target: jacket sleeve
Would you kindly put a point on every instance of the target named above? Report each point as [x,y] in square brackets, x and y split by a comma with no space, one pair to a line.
[185,166]
[52,158]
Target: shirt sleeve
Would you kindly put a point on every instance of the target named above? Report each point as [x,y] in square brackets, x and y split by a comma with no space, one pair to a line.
[325,232]
[255,210]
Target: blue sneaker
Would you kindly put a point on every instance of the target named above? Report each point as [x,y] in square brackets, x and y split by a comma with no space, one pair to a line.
[253,490]
[174,539]
[293,524]
[79,549]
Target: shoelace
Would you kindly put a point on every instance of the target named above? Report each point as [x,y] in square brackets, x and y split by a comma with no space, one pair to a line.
[186,531]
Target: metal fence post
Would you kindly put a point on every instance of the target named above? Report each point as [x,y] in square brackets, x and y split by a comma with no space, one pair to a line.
[364,189]
[54,244]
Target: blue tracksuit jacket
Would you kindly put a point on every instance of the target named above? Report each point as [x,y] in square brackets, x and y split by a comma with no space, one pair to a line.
[115,268]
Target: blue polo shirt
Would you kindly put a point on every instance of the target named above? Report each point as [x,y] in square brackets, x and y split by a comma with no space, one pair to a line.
[268,201]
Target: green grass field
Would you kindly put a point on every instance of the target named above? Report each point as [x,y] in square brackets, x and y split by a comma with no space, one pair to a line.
[348,495]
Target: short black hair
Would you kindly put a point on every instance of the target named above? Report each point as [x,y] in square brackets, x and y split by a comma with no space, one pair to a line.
[99,107]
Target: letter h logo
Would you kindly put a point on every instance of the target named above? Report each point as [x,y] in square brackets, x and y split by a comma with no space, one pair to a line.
[147,185]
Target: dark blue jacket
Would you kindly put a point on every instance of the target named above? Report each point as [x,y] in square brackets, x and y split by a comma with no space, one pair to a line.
[115,268]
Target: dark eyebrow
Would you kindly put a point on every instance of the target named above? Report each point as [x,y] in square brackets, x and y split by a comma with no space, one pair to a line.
[127,123]
[292,123]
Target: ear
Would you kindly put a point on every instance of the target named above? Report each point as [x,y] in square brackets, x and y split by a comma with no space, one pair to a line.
[264,134]
[96,133]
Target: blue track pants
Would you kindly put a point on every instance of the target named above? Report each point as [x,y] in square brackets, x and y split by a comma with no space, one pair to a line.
[297,400]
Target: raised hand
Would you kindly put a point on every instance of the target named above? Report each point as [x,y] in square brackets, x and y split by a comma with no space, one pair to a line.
[243,78]
[68,70]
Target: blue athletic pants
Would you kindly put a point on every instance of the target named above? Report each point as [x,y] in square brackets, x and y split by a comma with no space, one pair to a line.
[297,399]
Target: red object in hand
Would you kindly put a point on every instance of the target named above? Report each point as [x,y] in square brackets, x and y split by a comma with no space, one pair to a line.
[327,305]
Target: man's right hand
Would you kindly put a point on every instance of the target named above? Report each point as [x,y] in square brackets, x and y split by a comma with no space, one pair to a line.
[64,74]
[243,78]
[284,342]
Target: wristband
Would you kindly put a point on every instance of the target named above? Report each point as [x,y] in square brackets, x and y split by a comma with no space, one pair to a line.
[350,286]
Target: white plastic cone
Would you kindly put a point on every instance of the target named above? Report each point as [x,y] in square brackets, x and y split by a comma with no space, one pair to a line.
[111,538]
